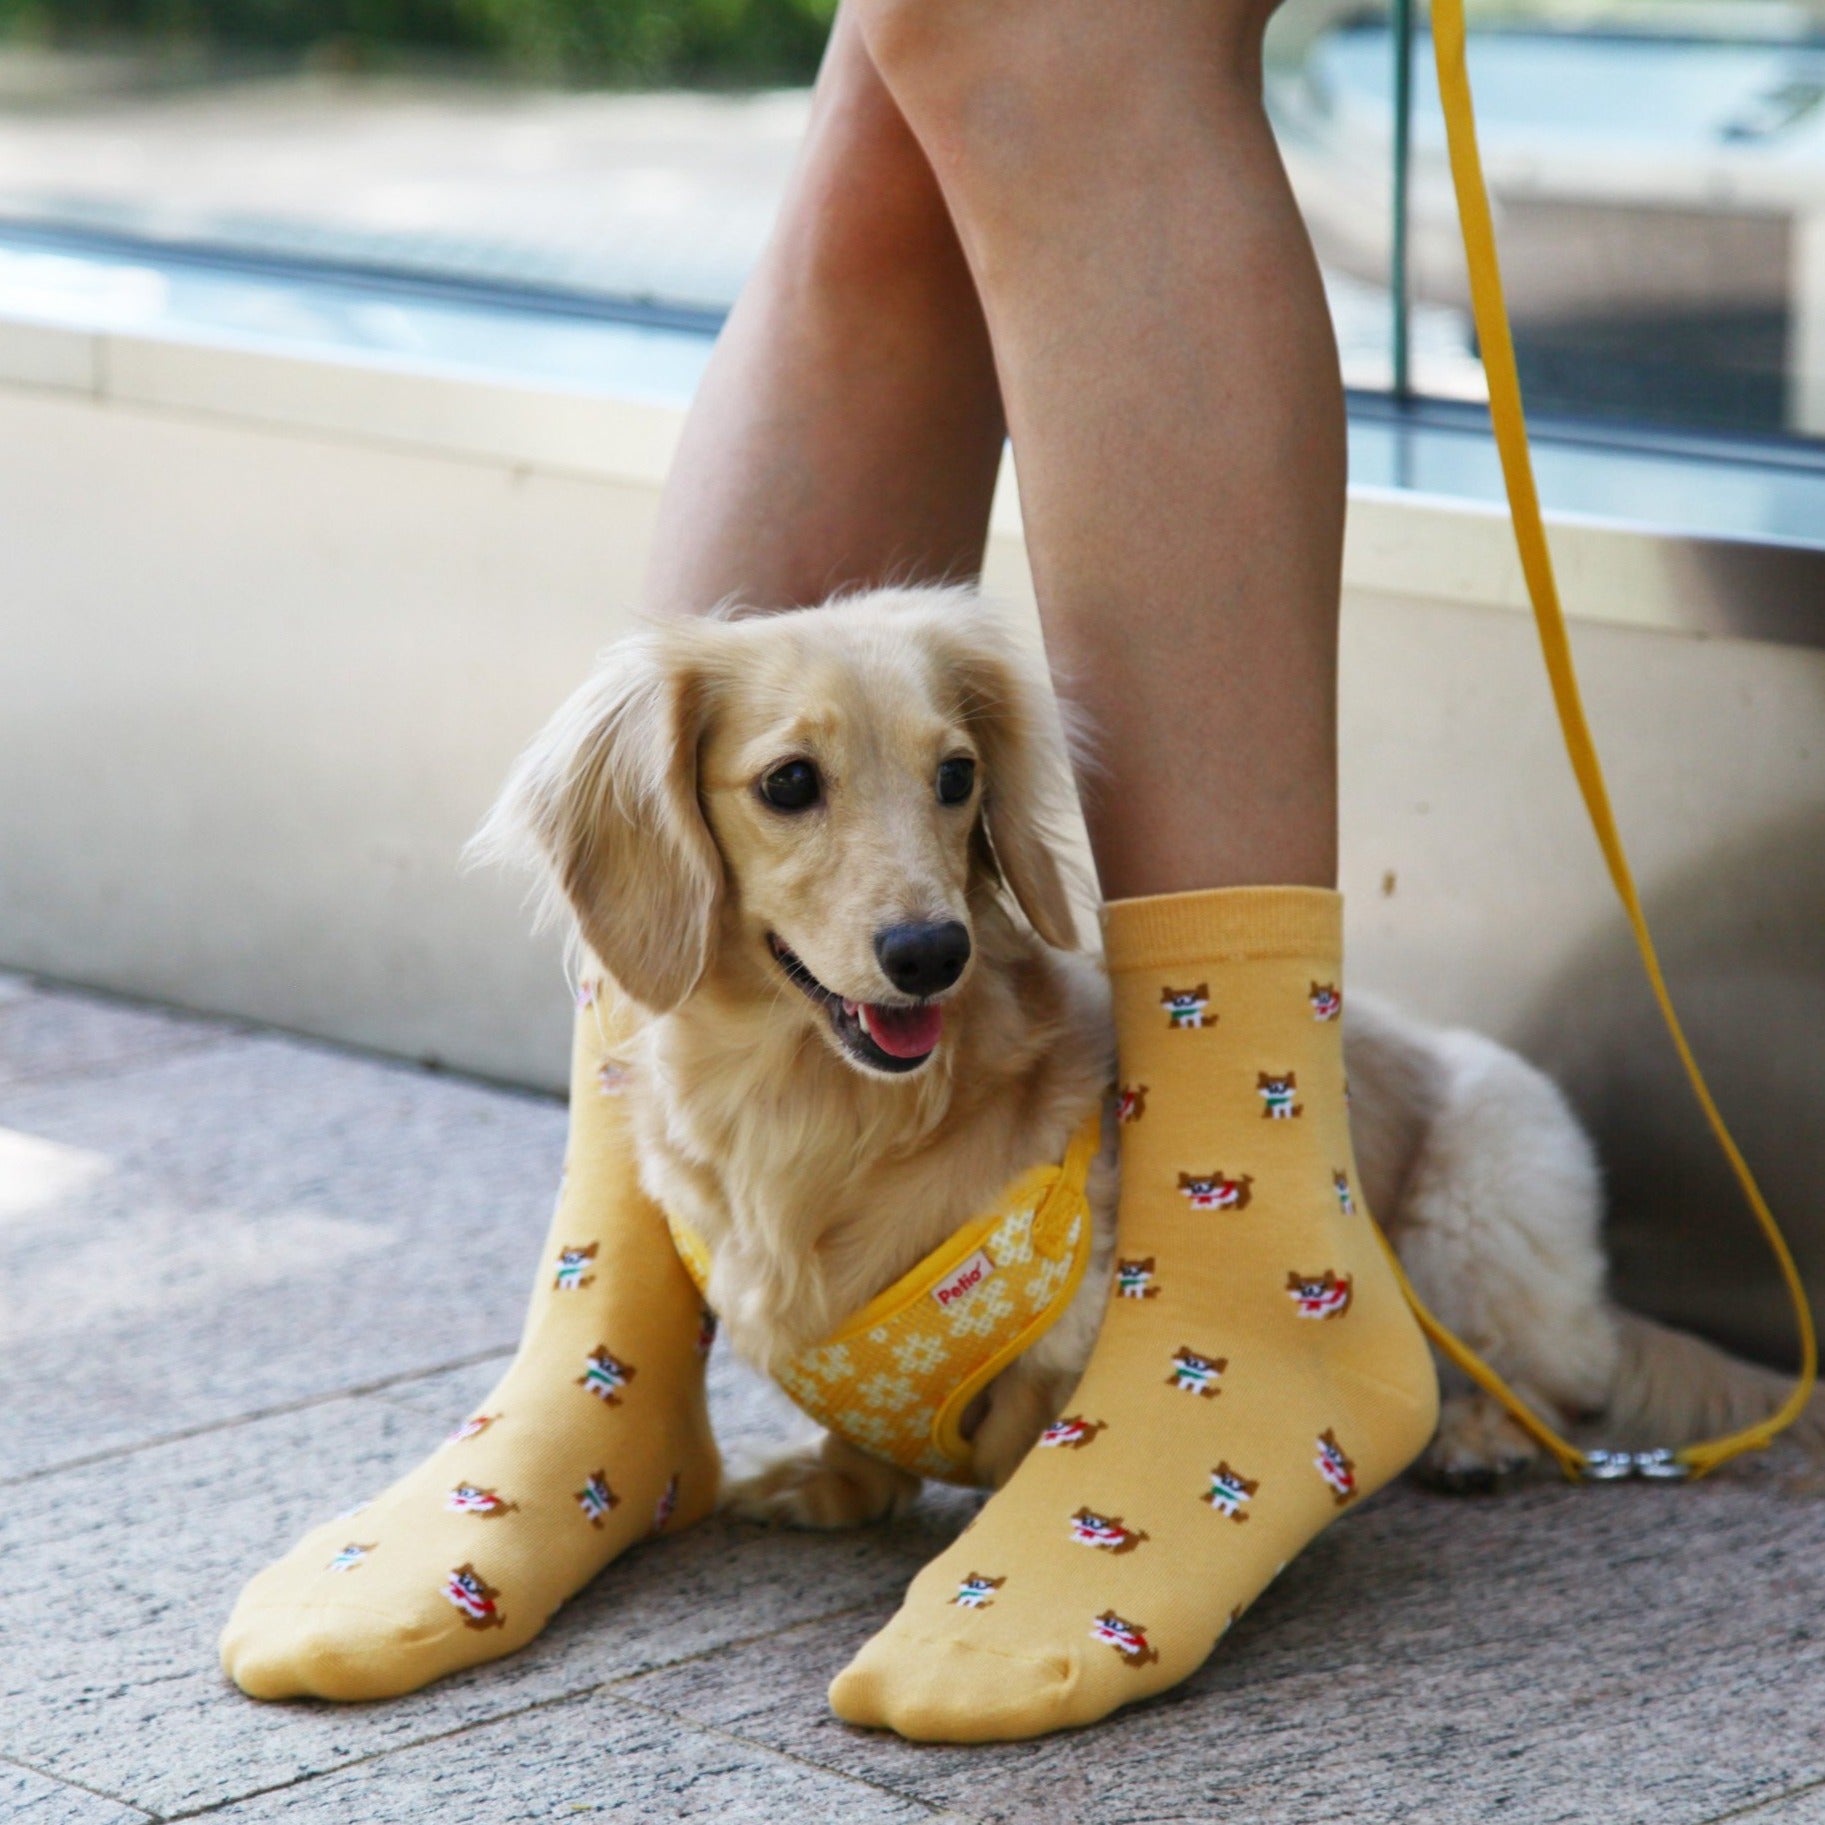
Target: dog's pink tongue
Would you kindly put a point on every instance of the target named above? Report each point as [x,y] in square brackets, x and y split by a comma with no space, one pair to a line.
[903,1032]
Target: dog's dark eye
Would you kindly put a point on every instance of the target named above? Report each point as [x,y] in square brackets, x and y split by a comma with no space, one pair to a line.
[956,781]
[793,787]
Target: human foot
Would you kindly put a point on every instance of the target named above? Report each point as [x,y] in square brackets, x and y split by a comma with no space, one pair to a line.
[1257,1372]
[596,1436]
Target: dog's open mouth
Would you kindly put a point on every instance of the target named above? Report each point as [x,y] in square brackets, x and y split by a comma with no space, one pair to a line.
[879,1034]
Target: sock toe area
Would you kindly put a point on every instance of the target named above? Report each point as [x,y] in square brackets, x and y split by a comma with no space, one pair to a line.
[332,1651]
[935,1691]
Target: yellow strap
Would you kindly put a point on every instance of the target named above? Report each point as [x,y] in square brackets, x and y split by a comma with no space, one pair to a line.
[1061,1191]
[1536,563]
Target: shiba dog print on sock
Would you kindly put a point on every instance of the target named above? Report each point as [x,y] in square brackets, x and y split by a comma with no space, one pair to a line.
[1212,1191]
[1131,1103]
[573,1268]
[1197,1374]
[667,1506]
[1088,1528]
[1335,1467]
[1346,1199]
[595,1498]
[1326,1002]
[467,1498]
[472,1427]
[475,1597]
[349,1556]
[1277,1094]
[975,1592]
[1128,1639]
[1186,1007]
[604,1375]
[1134,1279]
[1071,1433]
[1319,1295]
[1230,1491]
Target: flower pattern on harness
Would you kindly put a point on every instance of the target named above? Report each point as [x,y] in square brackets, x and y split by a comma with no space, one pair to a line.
[895,1381]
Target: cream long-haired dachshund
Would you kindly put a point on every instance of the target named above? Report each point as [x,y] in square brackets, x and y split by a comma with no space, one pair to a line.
[820,855]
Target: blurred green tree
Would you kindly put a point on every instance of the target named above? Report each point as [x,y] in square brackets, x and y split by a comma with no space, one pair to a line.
[620,42]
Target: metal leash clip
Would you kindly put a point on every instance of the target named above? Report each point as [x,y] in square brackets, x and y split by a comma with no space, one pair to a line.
[1616,1466]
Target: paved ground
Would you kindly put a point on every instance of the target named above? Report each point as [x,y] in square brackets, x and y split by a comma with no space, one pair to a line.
[247,1280]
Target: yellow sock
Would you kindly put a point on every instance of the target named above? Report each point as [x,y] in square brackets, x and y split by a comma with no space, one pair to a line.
[1257,1373]
[596,1436]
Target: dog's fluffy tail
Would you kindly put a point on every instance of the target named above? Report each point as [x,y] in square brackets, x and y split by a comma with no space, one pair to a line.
[1672,1388]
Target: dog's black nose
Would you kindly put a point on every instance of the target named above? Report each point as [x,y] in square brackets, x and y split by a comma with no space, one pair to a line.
[923,959]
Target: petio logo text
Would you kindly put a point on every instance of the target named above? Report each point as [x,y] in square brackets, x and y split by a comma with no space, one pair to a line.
[965,1280]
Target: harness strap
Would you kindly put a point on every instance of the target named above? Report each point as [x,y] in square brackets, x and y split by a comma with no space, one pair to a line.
[897,1377]
[1510,426]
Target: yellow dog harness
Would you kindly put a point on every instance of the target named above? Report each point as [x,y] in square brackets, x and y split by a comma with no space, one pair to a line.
[896,1379]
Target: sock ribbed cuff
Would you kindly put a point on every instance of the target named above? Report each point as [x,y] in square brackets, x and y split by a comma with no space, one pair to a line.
[1167,931]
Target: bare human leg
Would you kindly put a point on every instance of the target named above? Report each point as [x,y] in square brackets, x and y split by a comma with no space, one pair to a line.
[849,428]
[1173,394]
[848,431]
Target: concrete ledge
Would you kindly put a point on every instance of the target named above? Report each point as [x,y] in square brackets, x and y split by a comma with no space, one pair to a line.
[1424,546]
[274,629]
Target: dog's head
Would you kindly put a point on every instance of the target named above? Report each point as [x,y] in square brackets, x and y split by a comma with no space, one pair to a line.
[814,804]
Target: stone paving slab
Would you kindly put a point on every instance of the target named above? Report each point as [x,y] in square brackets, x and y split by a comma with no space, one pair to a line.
[202,1231]
[446,1394]
[593,1757]
[252,1224]
[1806,1808]
[1551,1658]
[30,1799]
[47,1033]
[120,1575]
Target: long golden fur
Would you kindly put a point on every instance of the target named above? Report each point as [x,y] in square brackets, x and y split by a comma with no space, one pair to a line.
[817,1178]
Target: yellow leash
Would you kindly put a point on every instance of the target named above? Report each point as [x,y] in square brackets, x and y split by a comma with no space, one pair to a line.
[1510,427]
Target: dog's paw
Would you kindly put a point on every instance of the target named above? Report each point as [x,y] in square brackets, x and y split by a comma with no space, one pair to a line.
[826,1486]
[1477,1450]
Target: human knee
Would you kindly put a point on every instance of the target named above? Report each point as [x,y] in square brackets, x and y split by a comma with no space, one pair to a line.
[985,79]
[865,202]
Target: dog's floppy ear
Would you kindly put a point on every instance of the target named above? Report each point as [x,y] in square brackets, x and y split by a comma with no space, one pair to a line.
[606,799]
[1005,700]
